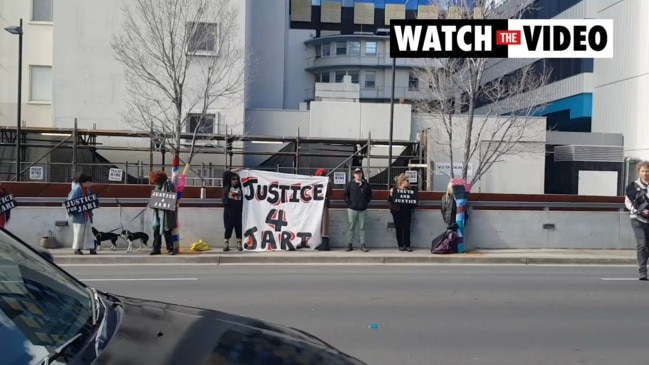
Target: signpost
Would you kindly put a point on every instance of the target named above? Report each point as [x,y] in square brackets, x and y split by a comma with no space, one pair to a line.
[163,200]
[36,173]
[115,174]
[82,204]
[340,178]
[413,176]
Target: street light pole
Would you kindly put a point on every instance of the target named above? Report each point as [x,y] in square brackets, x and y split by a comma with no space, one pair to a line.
[394,64]
[18,30]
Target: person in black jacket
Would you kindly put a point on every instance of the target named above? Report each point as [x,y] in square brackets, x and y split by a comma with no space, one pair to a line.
[401,213]
[232,208]
[636,201]
[358,195]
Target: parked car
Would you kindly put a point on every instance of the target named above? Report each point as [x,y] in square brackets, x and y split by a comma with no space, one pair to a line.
[49,317]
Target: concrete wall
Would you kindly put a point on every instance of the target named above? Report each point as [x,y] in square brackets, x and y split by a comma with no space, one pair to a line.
[520,171]
[486,229]
[37,51]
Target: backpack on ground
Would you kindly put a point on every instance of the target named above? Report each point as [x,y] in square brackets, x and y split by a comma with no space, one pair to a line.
[445,243]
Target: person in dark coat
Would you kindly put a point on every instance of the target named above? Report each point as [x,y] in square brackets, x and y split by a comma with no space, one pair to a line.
[358,195]
[325,214]
[4,217]
[163,221]
[401,213]
[232,208]
[636,200]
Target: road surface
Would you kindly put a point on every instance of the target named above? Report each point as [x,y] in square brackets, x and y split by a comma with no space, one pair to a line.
[447,315]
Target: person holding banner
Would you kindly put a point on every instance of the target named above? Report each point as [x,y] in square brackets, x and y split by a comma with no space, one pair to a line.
[358,195]
[82,221]
[5,216]
[401,212]
[232,209]
[325,214]
[163,221]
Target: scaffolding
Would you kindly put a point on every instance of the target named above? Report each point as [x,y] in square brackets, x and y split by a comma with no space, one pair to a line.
[296,156]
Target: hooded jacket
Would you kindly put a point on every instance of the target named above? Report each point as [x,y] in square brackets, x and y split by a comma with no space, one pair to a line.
[77,192]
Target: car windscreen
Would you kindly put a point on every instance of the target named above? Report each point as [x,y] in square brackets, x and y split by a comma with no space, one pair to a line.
[41,308]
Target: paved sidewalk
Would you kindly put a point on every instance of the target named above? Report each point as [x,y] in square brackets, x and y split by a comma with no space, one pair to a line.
[339,256]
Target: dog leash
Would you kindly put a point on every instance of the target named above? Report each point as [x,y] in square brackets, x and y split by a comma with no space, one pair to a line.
[120,216]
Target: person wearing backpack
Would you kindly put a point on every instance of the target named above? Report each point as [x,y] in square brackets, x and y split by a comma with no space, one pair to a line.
[636,201]
[401,213]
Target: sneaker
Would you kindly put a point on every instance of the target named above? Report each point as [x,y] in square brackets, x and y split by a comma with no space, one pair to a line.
[239,246]
[364,248]
[349,247]
[401,248]
[154,253]
[226,247]
[408,249]
[78,252]
[643,276]
[93,252]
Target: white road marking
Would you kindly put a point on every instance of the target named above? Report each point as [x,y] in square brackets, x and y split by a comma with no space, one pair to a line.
[350,264]
[619,279]
[141,279]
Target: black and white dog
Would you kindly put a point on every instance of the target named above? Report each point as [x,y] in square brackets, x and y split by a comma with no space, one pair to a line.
[104,236]
[130,237]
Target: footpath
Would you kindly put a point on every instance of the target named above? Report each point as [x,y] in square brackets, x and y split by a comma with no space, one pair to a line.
[66,256]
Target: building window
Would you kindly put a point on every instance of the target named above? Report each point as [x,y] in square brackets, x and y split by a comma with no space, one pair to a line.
[204,38]
[370,80]
[326,50]
[204,127]
[355,48]
[354,75]
[413,82]
[340,75]
[370,48]
[341,48]
[42,10]
[318,51]
[40,86]
[323,77]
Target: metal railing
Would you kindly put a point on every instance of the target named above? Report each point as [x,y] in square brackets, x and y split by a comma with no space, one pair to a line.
[379,59]
[377,92]
[375,203]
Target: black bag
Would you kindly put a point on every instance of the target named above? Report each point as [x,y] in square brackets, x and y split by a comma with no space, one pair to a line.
[445,243]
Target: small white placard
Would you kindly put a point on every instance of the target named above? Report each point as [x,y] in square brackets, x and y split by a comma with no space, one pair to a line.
[444,168]
[340,178]
[412,176]
[36,173]
[115,175]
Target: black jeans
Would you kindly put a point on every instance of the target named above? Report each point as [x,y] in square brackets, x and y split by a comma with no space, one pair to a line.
[157,240]
[641,232]
[402,219]
[232,219]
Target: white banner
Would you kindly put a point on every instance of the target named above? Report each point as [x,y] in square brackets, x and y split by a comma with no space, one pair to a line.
[282,211]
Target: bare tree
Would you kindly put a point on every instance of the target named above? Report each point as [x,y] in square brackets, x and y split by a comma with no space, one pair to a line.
[181,57]
[452,89]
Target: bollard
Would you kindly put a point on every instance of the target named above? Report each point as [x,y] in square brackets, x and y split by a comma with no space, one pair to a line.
[203,193]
